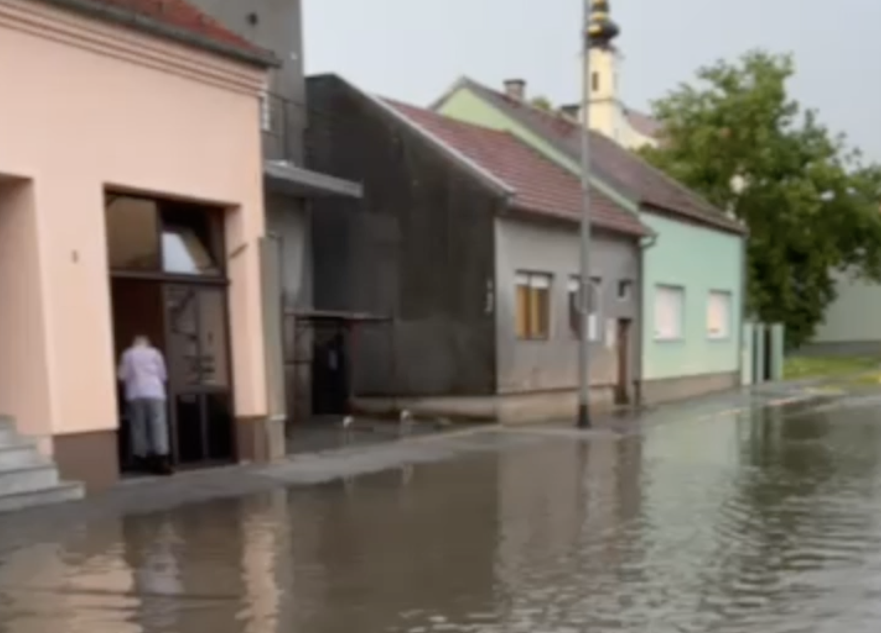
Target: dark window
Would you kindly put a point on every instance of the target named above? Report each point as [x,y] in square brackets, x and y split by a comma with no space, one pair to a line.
[625,287]
[162,236]
[132,233]
[594,81]
[190,241]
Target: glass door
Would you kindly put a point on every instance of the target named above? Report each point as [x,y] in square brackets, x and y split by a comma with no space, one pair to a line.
[199,385]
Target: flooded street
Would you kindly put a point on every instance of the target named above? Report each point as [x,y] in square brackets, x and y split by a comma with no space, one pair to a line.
[765,523]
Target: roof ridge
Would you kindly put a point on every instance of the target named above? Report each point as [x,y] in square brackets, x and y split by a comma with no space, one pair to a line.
[559,117]
[534,182]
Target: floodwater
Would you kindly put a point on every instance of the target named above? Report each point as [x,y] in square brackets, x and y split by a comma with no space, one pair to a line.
[763,524]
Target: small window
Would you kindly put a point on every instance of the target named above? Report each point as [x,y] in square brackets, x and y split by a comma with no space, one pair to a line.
[625,288]
[669,312]
[595,81]
[593,303]
[132,233]
[265,110]
[719,314]
[533,305]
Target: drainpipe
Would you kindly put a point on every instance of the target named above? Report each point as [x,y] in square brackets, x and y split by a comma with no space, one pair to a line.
[278,417]
[644,245]
[744,289]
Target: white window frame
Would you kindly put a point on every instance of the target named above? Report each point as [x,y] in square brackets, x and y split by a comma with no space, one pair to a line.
[669,312]
[543,280]
[594,332]
[719,304]
[265,109]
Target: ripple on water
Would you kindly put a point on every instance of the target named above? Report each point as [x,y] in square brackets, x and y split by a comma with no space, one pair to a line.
[735,525]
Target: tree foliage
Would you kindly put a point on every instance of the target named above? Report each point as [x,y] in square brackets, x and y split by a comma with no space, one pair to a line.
[542,103]
[810,203]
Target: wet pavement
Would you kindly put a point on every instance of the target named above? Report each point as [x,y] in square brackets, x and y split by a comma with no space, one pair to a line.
[764,520]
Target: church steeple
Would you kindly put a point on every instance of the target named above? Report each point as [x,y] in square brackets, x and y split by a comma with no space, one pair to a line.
[601,70]
[601,30]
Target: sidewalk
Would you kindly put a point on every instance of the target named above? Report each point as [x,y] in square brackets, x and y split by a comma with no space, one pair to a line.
[204,486]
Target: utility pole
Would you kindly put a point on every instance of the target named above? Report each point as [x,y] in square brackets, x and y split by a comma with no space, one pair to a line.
[597,31]
[585,284]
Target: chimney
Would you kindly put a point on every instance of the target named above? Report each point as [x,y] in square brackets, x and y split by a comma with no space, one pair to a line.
[571,110]
[515,89]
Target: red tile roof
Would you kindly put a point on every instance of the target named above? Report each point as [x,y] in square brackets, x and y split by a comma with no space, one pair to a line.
[177,19]
[643,123]
[540,185]
[620,167]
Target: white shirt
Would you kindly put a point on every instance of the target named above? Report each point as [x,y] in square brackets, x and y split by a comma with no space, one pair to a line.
[142,369]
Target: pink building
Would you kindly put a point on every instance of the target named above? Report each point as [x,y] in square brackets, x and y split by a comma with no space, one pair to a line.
[131,201]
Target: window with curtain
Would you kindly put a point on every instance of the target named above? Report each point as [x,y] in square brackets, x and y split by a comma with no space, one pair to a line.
[596,285]
[669,312]
[718,314]
[533,305]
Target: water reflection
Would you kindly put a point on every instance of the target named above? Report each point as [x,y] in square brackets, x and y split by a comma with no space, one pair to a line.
[741,524]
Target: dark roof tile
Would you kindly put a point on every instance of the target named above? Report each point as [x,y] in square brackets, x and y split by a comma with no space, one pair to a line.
[539,184]
[614,164]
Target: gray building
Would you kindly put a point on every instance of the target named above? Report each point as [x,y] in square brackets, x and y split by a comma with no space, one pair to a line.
[467,240]
[291,189]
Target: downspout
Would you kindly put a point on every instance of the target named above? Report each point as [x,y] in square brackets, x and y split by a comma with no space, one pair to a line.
[284,414]
[744,289]
[644,245]
[492,303]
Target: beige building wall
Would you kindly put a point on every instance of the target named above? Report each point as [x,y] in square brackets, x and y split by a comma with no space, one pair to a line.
[85,107]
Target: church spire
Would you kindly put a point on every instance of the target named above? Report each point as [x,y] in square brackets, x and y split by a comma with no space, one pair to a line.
[601,30]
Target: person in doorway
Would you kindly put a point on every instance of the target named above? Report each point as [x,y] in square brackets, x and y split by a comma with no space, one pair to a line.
[142,370]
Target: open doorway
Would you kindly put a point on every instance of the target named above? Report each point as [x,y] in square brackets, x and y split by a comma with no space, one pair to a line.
[622,345]
[137,309]
[168,282]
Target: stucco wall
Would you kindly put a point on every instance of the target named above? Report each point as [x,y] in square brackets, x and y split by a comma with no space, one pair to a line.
[554,249]
[682,252]
[700,260]
[852,320]
[88,106]
[287,220]
[288,224]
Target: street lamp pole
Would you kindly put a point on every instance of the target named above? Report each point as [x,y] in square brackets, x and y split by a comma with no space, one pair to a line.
[584,283]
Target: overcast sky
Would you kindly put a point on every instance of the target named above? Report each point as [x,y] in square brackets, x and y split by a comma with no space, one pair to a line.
[414,49]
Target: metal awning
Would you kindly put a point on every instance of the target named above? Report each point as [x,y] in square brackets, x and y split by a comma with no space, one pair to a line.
[287,178]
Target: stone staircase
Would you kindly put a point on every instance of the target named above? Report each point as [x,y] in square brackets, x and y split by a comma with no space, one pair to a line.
[27,478]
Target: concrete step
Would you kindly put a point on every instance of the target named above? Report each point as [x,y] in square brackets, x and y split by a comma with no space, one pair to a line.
[26,479]
[60,493]
[19,453]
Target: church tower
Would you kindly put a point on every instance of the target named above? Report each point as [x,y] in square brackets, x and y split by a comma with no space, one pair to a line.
[606,109]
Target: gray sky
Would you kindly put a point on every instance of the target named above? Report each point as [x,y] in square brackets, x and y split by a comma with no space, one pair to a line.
[414,49]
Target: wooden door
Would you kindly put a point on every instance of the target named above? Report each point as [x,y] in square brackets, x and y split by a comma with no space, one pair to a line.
[622,344]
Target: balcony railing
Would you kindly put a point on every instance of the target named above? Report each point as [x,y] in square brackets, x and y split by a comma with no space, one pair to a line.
[282,122]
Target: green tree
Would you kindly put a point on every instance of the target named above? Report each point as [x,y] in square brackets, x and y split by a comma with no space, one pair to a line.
[543,103]
[810,203]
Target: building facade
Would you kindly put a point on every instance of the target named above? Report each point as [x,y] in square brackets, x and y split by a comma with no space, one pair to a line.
[128,205]
[468,241]
[693,313]
[291,189]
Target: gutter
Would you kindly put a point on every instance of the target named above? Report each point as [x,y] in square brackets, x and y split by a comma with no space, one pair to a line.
[146,24]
